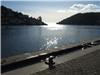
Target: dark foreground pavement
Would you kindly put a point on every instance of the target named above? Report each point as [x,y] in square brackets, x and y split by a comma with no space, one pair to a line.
[85,65]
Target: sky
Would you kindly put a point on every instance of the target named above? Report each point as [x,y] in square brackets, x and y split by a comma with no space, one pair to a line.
[53,11]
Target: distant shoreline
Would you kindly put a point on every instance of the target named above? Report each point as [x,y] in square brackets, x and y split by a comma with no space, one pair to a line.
[78,24]
[90,18]
[13,18]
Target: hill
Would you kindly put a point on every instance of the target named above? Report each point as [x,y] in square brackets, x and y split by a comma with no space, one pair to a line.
[92,18]
[10,17]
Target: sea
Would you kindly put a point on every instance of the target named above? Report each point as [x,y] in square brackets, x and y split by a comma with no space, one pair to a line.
[17,40]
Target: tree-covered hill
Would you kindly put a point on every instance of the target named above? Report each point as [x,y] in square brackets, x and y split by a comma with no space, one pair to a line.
[10,17]
[92,18]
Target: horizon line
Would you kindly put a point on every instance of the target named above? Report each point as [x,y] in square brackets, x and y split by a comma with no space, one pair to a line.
[51,0]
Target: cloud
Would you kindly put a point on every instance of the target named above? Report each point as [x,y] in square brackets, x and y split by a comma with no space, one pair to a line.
[61,11]
[84,8]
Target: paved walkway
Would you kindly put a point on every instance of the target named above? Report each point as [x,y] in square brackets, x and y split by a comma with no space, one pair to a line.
[86,65]
[67,67]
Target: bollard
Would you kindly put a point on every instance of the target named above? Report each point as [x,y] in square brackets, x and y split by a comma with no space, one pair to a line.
[49,61]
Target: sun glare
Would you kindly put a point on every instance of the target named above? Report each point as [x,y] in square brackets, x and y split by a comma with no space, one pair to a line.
[53,26]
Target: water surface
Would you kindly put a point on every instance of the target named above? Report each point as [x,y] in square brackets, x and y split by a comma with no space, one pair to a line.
[22,39]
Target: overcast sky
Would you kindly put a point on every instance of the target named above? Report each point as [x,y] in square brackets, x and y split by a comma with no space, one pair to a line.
[53,11]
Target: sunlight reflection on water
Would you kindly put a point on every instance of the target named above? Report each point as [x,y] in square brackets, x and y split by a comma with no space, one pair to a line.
[54,26]
[23,39]
[51,42]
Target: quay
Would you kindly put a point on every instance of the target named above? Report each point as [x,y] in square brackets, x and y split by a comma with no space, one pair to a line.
[88,64]
[31,60]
